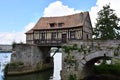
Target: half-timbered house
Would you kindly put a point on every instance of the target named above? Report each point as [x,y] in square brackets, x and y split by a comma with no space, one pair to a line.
[59,30]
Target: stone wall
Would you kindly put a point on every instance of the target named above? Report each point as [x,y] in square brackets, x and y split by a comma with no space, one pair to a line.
[74,63]
[27,58]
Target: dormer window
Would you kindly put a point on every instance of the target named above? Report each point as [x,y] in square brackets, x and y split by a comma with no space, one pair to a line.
[60,24]
[52,24]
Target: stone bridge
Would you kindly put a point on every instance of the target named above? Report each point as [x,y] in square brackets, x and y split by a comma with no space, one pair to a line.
[79,63]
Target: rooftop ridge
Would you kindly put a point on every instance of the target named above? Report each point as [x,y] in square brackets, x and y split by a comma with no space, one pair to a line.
[64,15]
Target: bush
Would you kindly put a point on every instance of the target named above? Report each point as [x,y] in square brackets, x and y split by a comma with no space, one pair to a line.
[72,77]
[113,69]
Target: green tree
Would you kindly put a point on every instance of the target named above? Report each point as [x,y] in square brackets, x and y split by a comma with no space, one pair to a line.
[107,26]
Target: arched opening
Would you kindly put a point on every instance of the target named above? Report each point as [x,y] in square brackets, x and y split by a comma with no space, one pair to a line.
[100,68]
[89,66]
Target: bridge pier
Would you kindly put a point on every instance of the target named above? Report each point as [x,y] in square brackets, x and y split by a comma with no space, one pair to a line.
[28,58]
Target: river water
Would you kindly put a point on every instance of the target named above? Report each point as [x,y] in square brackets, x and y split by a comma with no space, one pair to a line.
[45,75]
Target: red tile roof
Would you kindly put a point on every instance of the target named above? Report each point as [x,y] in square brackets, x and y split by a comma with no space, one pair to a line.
[68,21]
[30,31]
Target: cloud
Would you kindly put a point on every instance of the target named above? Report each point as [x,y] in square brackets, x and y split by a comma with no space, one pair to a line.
[58,9]
[10,37]
[54,9]
[29,26]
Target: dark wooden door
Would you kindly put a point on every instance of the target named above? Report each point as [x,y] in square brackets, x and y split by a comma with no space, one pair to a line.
[64,38]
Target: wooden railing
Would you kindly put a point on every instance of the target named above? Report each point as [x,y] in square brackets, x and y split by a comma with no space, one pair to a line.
[49,42]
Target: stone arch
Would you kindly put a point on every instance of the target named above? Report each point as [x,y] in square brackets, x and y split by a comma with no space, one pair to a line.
[98,54]
[90,59]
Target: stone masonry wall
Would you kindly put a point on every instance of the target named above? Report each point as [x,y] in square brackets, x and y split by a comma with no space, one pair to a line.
[27,58]
[73,63]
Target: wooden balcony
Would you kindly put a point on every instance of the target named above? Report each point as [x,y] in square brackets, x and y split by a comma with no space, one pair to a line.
[49,42]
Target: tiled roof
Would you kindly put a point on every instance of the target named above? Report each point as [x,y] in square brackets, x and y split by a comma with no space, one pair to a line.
[67,21]
[30,31]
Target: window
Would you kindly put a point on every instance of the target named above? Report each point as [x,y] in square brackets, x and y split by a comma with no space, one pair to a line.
[36,35]
[72,34]
[60,24]
[52,24]
[53,35]
[43,35]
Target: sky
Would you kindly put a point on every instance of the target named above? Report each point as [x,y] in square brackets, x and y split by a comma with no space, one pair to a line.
[19,16]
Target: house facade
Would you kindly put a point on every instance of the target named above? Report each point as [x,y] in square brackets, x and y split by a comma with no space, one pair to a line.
[60,30]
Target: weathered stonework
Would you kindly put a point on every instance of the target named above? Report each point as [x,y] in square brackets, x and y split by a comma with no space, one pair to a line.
[77,64]
[27,58]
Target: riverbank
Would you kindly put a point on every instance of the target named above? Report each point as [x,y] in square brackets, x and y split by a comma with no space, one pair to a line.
[28,72]
[5,51]
[18,69]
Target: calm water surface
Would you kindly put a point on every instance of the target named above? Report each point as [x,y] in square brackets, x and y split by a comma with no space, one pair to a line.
[46,75]
[36,76]
[4,59]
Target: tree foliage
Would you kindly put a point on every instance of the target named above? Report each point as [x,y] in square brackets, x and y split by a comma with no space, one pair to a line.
[107,26]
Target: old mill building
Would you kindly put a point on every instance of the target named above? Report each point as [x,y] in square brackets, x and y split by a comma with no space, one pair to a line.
[59,30]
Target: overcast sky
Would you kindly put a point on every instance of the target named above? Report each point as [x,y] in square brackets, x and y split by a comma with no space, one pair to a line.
[18,16]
